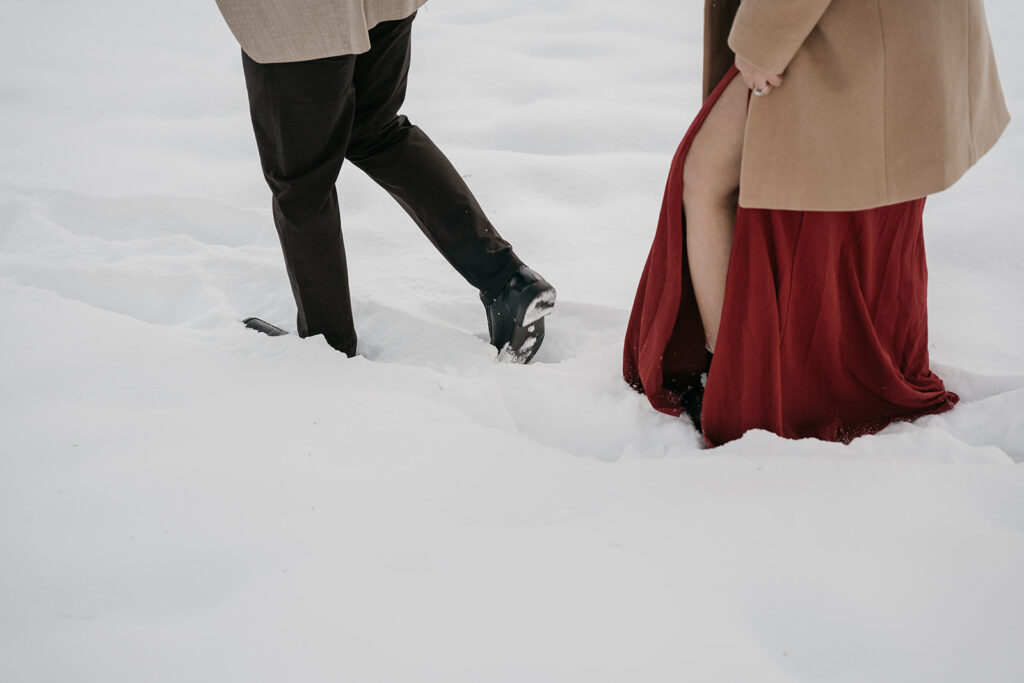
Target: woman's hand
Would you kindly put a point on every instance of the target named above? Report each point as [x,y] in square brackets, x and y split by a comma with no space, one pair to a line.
[760,82]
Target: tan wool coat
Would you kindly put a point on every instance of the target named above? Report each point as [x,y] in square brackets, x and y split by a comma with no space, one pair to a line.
[300,30]
[882,101]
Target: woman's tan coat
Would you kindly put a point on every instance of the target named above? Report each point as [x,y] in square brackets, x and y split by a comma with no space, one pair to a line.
[299,30]
[882,100]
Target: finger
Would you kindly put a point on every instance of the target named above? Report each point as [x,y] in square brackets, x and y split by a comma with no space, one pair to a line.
[775,80]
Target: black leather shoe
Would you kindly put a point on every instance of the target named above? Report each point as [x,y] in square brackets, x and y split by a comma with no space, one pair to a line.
[264,327]
[690,390]
[693,396]
[515,319]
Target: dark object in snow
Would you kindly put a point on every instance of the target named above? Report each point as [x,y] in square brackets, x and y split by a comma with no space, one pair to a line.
[264,327]
[515,318]
[691,392]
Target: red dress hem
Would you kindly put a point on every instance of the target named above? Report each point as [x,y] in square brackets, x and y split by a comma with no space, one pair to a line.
[824,329]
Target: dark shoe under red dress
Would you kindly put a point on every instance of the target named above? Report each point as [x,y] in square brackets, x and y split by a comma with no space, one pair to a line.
[824,331]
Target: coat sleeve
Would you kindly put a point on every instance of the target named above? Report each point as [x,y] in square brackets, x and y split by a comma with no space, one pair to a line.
[768,33]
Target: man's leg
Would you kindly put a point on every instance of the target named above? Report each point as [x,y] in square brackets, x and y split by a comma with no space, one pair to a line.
[400,157]
[711,182]
[302,115]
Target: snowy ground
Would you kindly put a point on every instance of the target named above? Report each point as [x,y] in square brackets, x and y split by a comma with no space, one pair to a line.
[184,500]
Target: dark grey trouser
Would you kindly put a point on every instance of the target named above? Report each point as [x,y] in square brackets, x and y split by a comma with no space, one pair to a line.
[308,118]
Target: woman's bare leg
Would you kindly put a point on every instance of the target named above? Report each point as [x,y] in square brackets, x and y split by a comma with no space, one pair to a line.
[711,185]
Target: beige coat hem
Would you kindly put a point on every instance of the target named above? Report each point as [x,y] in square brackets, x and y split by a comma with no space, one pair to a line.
[274,31]
[797,200]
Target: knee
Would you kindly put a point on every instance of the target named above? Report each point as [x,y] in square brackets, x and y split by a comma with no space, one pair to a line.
[300,184]
[302,199]
[372,138]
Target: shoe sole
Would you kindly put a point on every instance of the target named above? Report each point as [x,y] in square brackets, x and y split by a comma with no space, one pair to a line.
[539,307]
[528,332]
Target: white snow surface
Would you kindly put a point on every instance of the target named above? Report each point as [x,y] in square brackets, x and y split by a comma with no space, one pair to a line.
[182,499]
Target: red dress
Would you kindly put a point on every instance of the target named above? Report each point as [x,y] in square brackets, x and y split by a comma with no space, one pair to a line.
[824,331]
